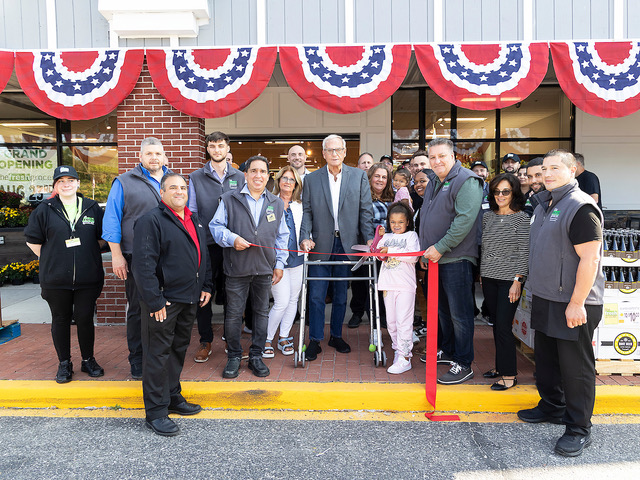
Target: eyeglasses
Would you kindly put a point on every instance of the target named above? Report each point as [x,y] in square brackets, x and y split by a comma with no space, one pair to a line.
[287,180]
[334,151]
[504,193]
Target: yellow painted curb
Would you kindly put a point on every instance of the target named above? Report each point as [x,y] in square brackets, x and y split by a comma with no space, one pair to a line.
[299,396]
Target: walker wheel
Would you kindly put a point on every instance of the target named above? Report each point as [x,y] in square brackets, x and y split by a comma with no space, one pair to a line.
[303,358]
[295,359]
[384,359]
[376,359]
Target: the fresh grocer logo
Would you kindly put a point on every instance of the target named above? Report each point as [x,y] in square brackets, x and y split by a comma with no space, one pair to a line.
[625,343]
[27,170]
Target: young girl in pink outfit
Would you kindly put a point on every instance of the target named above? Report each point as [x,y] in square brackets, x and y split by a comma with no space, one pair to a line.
[398,281]
[401,181]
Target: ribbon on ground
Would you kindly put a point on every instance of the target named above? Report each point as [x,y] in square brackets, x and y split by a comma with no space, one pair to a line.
[431,370]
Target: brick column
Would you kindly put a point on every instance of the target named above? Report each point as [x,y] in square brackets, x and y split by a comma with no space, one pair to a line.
[145,113]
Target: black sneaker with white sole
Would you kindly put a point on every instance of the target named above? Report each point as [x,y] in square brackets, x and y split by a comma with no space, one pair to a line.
[456,374]
[444,359]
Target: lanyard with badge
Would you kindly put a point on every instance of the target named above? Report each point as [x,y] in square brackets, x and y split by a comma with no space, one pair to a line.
[73,241]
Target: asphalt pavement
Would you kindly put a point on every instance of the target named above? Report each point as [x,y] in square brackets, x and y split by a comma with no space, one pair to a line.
[119,448]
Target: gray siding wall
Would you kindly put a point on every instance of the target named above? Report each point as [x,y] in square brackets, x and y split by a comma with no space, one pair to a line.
[482,20]
[573,19]
[632,19]
[23,24]
[233,22]
[80,24]
[393,21]
[310,21]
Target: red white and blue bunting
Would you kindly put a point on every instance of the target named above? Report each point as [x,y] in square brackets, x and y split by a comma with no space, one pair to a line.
[211,83]
[6,68]
[600,78]
[483,77]
[345,79]
[78,85]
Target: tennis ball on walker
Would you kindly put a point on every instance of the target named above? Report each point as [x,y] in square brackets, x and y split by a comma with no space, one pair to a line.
[304,348]
[372,347]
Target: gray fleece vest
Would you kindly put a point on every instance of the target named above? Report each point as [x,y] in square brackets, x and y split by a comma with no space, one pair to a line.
[438,211]
[140,196]
[253,260]
[209,190]
[553,261]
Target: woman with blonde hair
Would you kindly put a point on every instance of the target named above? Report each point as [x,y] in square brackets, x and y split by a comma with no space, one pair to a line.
[288,186]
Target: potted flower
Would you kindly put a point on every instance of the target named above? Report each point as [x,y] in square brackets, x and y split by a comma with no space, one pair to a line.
[16,273]
[33,271]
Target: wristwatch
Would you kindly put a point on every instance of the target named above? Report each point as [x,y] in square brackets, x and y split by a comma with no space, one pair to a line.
[518,279]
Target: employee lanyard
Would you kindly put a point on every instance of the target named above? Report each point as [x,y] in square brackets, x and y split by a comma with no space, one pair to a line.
[72,224]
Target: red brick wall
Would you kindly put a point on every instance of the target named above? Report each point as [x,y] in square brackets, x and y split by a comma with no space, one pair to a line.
[145,113]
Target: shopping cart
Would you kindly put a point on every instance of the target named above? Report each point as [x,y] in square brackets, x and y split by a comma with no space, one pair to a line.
[375,334]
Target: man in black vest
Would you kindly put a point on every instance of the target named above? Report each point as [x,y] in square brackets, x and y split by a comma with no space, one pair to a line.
[132,194]
[448,214]
[174,277]
[246,221]
[206,186]
[565,278]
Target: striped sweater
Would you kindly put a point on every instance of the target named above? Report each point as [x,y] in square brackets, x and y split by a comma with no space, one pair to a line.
[505,245]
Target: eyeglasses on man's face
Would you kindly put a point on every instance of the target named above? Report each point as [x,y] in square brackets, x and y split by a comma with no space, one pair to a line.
[334,151]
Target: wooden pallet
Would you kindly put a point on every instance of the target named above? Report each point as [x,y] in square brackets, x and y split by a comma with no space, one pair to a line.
[624,367]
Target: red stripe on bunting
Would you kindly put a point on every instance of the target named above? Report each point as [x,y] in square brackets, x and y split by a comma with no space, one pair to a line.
[345,79]
[483,77]
[600,78]
[6,68]
[211,83]
[78,85]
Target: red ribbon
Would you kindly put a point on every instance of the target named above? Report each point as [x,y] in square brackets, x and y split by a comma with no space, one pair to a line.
[431,370]
[354,254]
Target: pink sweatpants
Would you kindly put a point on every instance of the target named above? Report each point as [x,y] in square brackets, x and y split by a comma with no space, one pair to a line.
[400,307]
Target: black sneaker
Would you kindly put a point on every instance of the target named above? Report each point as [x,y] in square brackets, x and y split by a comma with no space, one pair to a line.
[312,351]
[91,367]
[456,374]
[535,415]
[136,371]
[355,321]
[444,359]
[572,445]
[339,344]
[65,372]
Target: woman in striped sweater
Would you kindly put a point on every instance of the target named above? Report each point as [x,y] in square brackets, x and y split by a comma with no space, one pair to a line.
[503,269]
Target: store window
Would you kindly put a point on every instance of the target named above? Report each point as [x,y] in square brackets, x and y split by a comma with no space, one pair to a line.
[276,149]
[33,144]
[541,122]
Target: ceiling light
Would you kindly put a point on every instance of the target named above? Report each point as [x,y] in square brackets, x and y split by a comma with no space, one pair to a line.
[25,124]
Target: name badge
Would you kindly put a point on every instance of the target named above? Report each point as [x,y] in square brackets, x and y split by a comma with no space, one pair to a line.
[72,242]
[270,217]
[233,184]
[485,206]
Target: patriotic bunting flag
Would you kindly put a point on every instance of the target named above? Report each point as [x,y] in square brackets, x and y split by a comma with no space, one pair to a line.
[78,85]
[483,77]
[600,78]
[6,68]
[211,83]
[345,79]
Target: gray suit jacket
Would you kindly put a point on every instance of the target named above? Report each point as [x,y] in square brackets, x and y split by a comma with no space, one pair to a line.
[355,210]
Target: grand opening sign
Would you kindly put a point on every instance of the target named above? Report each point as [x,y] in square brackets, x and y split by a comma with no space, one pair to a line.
[27,170]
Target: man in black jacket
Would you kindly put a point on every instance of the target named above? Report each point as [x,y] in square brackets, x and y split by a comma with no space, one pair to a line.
[174,274]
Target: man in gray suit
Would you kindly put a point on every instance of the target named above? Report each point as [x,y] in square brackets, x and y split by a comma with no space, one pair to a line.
[337,214]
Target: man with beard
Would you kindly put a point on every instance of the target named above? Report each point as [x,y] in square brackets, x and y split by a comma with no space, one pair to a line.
[297,158]
[536,184]
[511,163]
[206,186]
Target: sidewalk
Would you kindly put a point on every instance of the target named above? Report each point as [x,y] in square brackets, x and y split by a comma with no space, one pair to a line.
[333,381]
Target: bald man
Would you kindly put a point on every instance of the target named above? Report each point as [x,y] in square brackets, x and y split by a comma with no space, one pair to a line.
[297,158]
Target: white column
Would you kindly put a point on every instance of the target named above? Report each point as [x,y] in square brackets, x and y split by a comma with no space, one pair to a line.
[52,28]
[618,19]
[527,20]
[261,21]
[349,33]
[438,21]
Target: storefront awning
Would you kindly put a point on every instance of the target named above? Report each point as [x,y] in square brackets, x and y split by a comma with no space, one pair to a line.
[600,78]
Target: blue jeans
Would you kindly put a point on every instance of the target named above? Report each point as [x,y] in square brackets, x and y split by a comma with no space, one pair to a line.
[237,289]
[318,292]
[455,311]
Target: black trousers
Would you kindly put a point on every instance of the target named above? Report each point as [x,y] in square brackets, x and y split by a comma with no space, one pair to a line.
[501,313]
[134,340]
[164,345]
[566,374]
[359,303]
[204,314]
[65,305]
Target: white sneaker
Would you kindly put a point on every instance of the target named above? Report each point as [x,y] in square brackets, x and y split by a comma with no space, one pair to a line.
[401,365]
[416,338]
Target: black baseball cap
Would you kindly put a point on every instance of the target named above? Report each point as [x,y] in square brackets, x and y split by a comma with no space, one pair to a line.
[65,171]
[511,156]
[478,163]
